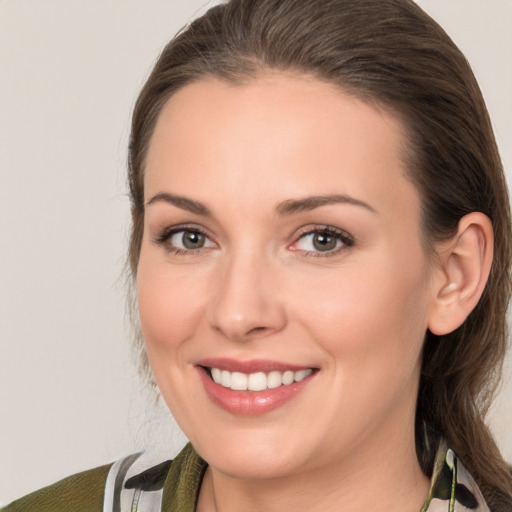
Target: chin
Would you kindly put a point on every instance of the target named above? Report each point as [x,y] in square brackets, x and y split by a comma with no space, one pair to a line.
[259,457]
[255,466]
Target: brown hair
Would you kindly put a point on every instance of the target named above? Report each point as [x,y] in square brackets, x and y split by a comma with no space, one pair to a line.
[393,54]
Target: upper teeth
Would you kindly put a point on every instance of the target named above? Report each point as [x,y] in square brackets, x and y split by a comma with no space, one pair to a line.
[258,381]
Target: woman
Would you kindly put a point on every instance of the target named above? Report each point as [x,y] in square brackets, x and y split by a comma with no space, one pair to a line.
[321,248]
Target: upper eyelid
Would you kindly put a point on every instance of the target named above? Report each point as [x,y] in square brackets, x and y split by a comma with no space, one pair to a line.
[306,230]
[176,228]
[165,233]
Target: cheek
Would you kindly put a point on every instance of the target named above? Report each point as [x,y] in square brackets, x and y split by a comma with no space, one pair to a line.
[170,305]
[369,314]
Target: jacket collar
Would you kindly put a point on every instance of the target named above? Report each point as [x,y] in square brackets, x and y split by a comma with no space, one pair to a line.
[453,488]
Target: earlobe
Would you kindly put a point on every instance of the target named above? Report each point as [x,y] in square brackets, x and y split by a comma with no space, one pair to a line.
[462,273]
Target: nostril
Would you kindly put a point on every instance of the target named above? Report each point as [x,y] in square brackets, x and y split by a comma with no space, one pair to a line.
[256,330]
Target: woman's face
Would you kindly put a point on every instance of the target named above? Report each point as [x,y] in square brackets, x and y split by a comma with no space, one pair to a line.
[282,242]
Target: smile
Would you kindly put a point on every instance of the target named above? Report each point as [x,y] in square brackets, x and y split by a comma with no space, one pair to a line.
[255,387]
[259,381]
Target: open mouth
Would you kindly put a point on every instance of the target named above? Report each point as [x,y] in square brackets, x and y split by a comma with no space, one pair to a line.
[258,381]
[253,387]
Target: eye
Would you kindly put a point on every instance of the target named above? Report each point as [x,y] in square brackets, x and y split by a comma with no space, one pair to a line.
[326,240]
[184,240]
[188,239]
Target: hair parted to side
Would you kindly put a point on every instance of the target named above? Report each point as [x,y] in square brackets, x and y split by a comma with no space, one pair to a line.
[390,53]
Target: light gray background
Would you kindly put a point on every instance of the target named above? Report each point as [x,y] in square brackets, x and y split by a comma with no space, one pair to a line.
[69,74]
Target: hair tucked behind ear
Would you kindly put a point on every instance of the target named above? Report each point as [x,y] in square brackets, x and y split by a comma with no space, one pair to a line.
[391,53]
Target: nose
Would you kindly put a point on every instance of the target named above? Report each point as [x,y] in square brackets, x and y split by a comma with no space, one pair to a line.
[246,302]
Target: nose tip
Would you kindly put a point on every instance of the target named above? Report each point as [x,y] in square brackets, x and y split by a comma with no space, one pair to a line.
[245,305]
[240,328]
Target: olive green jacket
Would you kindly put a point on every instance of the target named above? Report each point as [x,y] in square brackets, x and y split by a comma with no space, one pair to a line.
[128,486]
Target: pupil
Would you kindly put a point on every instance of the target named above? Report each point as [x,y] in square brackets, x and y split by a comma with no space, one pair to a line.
[193,240]
[324,242]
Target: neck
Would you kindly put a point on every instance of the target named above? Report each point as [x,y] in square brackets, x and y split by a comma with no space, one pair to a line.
[382,476]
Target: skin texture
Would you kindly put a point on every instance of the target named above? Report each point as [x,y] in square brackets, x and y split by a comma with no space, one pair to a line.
[259,289]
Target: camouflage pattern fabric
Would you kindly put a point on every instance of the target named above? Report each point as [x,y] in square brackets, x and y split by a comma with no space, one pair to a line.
[453,489]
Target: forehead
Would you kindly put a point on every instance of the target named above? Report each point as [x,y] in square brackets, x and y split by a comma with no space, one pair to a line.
[275,137]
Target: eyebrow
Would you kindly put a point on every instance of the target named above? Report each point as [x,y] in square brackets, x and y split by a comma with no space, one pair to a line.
[288,207]
[181,202]
[291,206]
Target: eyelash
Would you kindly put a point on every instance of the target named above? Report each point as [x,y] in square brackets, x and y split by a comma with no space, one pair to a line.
[340,235]
[168,233]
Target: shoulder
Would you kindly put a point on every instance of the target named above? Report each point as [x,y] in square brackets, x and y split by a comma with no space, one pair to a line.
[135,483]
[83,492]
[145,483]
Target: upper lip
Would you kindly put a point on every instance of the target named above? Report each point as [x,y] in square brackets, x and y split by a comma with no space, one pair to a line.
[250,366]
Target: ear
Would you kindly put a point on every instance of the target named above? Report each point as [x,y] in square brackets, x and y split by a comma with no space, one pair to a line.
[461,275]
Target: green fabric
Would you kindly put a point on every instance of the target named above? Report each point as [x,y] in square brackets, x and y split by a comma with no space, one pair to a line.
[181,488]
[82,492]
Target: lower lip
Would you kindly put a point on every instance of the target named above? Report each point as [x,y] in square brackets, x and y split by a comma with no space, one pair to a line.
[251,403]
